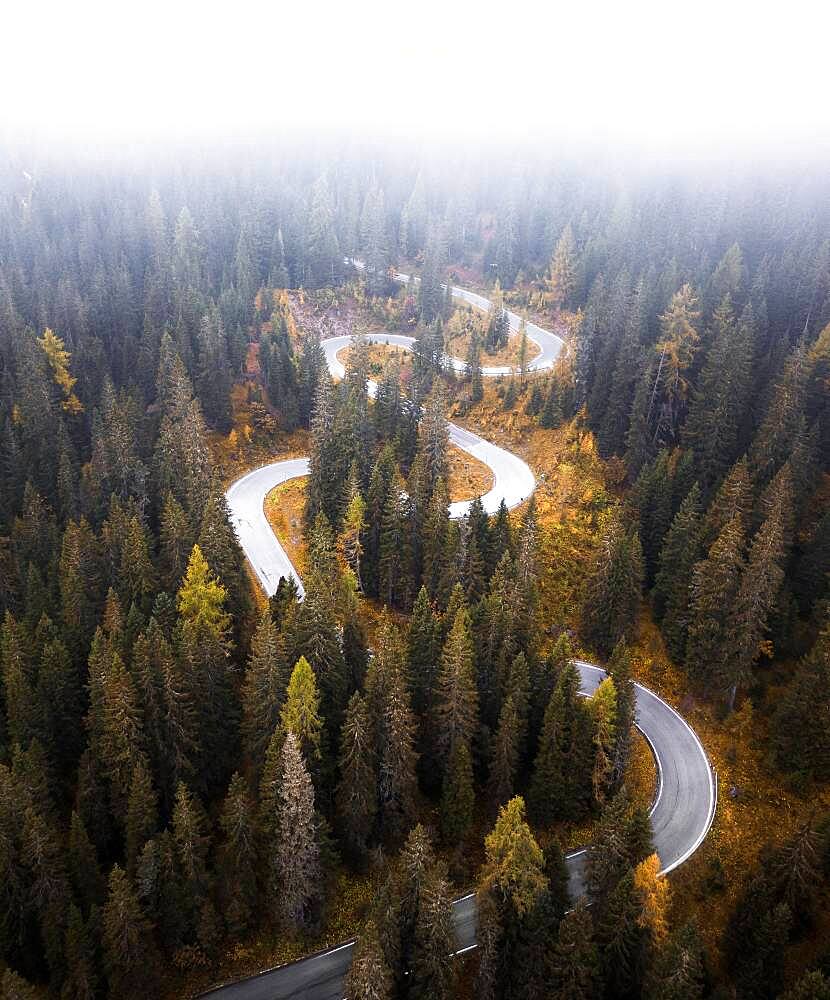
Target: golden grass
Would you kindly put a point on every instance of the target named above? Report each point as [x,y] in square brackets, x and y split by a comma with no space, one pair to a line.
[469,478]
[507,355]
[285,509]
[380,357]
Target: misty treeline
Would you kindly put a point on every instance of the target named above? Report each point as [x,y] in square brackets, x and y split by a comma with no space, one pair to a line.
[179,771]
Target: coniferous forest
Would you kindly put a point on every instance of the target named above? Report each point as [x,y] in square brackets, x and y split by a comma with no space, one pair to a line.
[198,781]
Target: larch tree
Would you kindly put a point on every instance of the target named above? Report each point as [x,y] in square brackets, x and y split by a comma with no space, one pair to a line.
[562,268]
[300,714]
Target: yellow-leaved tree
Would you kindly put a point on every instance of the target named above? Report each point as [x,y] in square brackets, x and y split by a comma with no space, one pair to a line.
[201,600]
[301,712]
[654,895]
[515,866]
[59,358]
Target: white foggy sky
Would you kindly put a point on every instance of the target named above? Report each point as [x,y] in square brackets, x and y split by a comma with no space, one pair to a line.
[661,75]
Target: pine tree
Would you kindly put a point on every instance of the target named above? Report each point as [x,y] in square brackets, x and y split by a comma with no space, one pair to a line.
[394,729]
[422,653]
[432,973]
[562,267]
[204,647]
[760,582]
[619,670]
[811,986]
[15,987]
[612,854]
[733,499]
[755,941]
[623,942]
[298,851]
[175,543]
[130,955]
[720,397]
[82,976]
[603,707]
[651,497]
[192,840]
[84,871]
[801,725]
[680,970]
[474,372]
[325,465]
[678,555]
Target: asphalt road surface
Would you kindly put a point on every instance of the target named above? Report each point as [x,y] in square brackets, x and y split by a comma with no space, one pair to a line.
[684,805]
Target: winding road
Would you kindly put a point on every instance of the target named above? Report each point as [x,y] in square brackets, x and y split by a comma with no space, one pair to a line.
[686,798]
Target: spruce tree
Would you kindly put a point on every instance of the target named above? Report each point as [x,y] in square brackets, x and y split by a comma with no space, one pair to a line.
[263,690]
[456,709]
[142,819]
[368,977]
[560,785]
[422,653]
[678,555]
[613,591]
[575,962]
[800,736]
[238,884]
[192,840]
[760,582]
[298,850]
[712,593]
[458,793]
[679,969]
[432,972]
[619,670]
[357,790]
[505,756]
[130,955]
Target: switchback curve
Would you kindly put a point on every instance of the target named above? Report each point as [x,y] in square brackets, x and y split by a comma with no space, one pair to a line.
[684,806]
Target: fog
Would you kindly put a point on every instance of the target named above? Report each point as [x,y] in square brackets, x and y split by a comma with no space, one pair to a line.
[656,79]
